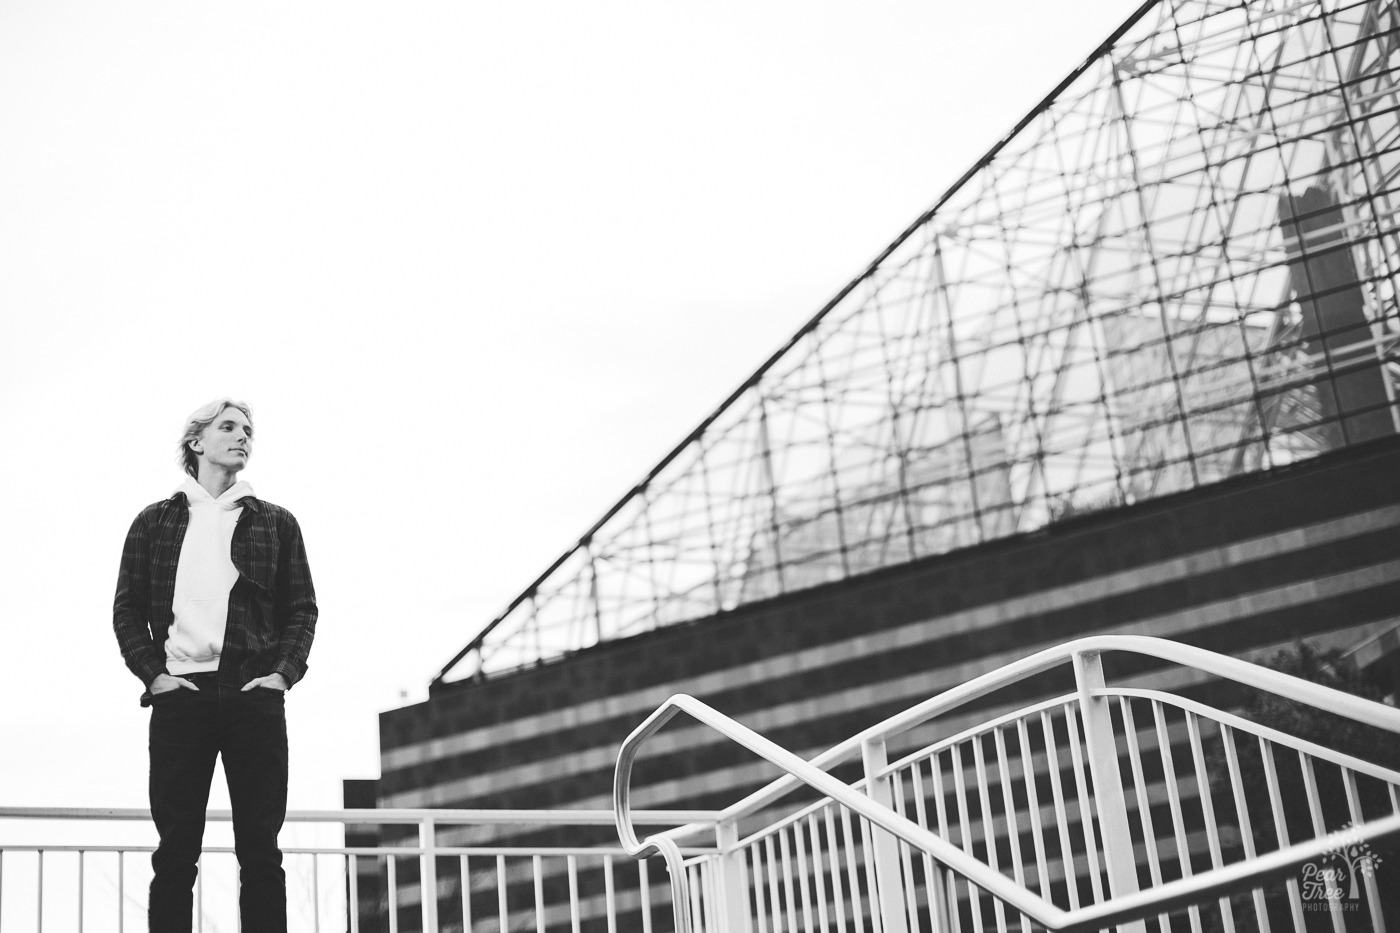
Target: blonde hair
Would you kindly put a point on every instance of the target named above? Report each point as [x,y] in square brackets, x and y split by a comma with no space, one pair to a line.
[201,418]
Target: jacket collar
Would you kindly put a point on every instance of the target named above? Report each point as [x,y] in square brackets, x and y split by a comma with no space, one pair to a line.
[248,502]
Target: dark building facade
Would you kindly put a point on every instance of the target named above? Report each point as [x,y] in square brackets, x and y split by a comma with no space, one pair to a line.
[1244,567]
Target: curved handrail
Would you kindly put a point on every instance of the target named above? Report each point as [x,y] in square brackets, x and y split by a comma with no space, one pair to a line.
[1242,672]
[999,885]
[1240,724]
[1113,911]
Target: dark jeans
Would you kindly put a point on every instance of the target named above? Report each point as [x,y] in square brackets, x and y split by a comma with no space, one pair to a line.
[188,731]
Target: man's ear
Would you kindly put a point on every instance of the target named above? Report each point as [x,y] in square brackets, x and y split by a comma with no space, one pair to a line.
[194,445]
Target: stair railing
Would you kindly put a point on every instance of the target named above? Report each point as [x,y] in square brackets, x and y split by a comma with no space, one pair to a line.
[878,860]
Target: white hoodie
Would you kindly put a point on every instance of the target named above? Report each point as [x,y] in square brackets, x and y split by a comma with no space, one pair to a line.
[203,579]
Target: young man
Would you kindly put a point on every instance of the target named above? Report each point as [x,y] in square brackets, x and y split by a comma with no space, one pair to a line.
[215,613]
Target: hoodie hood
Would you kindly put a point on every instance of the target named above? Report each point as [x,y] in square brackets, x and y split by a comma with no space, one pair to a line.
[198,495]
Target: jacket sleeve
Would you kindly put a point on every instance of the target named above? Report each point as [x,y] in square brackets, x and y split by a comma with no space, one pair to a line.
[131,616]
[295,601]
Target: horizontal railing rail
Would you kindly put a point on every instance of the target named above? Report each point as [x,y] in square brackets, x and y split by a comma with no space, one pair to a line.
[384,817]
[888,797]
[75,879]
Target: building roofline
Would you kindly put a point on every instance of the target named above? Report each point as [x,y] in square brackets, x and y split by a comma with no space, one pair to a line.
[1101,50]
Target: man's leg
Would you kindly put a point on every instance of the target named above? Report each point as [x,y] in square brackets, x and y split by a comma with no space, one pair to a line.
[182,750]
[255,762]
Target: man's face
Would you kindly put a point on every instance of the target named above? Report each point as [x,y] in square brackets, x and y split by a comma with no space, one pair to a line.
[227,441]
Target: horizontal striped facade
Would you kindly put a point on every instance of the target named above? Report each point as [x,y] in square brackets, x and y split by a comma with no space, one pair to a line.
[1243,567]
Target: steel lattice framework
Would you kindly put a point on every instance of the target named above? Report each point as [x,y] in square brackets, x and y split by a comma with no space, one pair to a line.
[1181,267]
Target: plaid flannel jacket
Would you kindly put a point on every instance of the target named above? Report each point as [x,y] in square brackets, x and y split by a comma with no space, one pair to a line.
[271,608]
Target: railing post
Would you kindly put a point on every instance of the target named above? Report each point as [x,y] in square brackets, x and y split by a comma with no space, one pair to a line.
[943,907]
[427,873]
[733,878]
[889,880]
[1102,751]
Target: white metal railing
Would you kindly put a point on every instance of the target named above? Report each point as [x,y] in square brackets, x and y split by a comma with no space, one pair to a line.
[88,870]
[1108,806]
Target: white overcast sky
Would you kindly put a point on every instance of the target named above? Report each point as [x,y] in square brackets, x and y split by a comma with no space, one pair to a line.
[476,266]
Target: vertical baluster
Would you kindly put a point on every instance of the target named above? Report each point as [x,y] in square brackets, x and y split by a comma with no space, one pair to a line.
[1042,871]
[1295,900]
[199,894]
[1217,859]
[788,887]
[1368,878]
[1183,852]
[714,906]
[537,869]
[804,886]
[644,879]
[753,888]
[1334,901]
[833,849]
[706,895]
[40,906]
[774,899]
[1008,806]
[393,883]
[575,912]
[699,896]
[964,825]
[82,856]
[872,881]
[427,872]
[692,895]
[502,908]
[1086,808]
[1057,792]
[906,857]
[916,787]
[609,893]
[696,894]
[1149,831]
[761,903]
[941,807]
[818,875]
[465,886]
[933,882]
[714,913]
[315,893]
[989,825]
[352,877]
[1232,765]
[852,878]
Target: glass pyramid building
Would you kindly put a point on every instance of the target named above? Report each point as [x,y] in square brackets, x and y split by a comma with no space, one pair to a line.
[1181,267]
